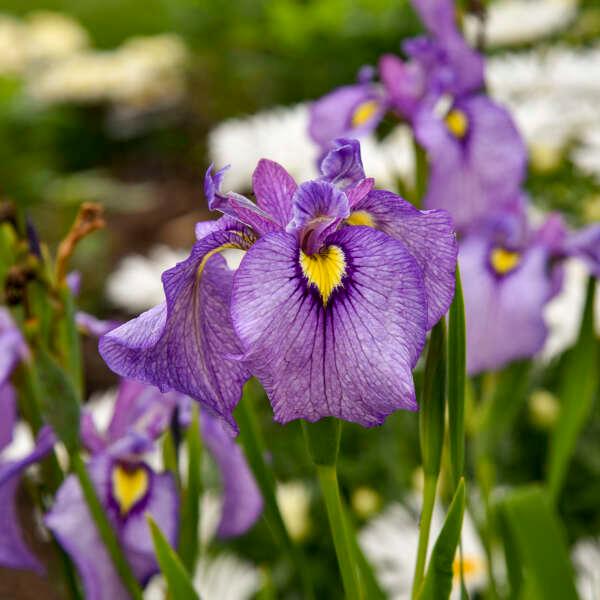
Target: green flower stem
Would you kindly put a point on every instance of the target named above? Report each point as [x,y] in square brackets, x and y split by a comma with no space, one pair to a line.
[341,540]
[429,491]
[420,174]
[105,529]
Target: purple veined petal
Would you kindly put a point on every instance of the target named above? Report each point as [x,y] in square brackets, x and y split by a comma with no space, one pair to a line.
[429,237]
[93,326]
[186,344]
[8,414]
[479,174]
[93,441]
[163,505]
[350,110]
[405,82]
[274,189]
[349,356]
[242,501]
[205,228]
[319,207]
[504,315]
[235,205]
[342,165]
[13,348]
[585,244]
[14,552]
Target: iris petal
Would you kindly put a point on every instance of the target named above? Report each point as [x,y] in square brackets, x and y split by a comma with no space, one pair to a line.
[274,188]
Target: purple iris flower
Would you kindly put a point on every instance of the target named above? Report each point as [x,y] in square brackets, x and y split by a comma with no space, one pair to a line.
[509,273]
[129,488]
[328,309]
[14,552]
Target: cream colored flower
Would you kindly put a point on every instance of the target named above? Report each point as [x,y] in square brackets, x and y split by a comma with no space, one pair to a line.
[293,498]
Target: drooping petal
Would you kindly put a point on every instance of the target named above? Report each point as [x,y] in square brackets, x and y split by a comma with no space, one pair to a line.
[352,109]
[348,353]
[274,188]
[8,414]
[342,165]
[585,244]
[474,176]
[93,326]
[242,503]
[235,205]
[428,235]
[319,207]
[14,552]
[187,343]
[504,314]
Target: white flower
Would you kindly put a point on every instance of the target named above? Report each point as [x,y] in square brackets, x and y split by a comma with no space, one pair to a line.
[390,543]
[136,284]
[223,577]
[511,22]
[586,558]
[563,313]
[281,134]
[293,498]
[587,155]
[12,52]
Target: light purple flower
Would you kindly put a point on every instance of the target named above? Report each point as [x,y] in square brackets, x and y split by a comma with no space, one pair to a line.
[328,308]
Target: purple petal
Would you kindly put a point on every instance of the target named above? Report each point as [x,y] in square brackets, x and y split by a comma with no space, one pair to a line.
[187,343]
[13,348]
[437,15]
[473,177]
[14,552]
[405,82]
[74,282]
[242,504]
[504,315]
[428,235]
[8,414]
[274,188]
[351,358]
[331,117]
[585,244]
[236,205]
[93,326]
[319,207]
[342,165]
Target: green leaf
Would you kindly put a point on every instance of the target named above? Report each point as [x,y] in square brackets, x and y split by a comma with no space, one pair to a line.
[188,543]
[440,572]
[59,398]
[540,545]
[431,420]
[578,387]
[67,338]
[323,440]
[456,381]
[511,554]
[178,581]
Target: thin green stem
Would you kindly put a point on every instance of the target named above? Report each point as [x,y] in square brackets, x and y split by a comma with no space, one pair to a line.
[429,491]
[341,540]
[420,174]
[105,529]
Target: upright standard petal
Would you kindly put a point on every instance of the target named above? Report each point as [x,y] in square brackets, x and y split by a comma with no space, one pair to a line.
[14,552]
[477,159]
[585,244]
[428,235]
[319,208]
[335,334]
[405,82]
[505,292]
[187,344]
[342,165]
[242,503]
[274,188]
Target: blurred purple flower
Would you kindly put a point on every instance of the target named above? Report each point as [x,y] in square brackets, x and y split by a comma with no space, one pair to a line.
[329,307]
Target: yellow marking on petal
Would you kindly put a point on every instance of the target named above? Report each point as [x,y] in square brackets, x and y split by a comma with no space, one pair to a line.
[211,253]
[471,566]
[504,261]
[364,112]
[360,217]
[129,486]
[324,269]
[457,123]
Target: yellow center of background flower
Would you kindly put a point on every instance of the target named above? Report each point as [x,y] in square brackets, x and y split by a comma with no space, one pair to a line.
[503,261]
[457,123]
[471,566]
[129,486]
[364,112]
[324,270]
[360,217]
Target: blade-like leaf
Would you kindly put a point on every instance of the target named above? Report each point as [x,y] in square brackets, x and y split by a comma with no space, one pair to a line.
[540,545]
[579,384]
[431,420]
[437,584]
[59,398]
[178,581]
[456,381]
